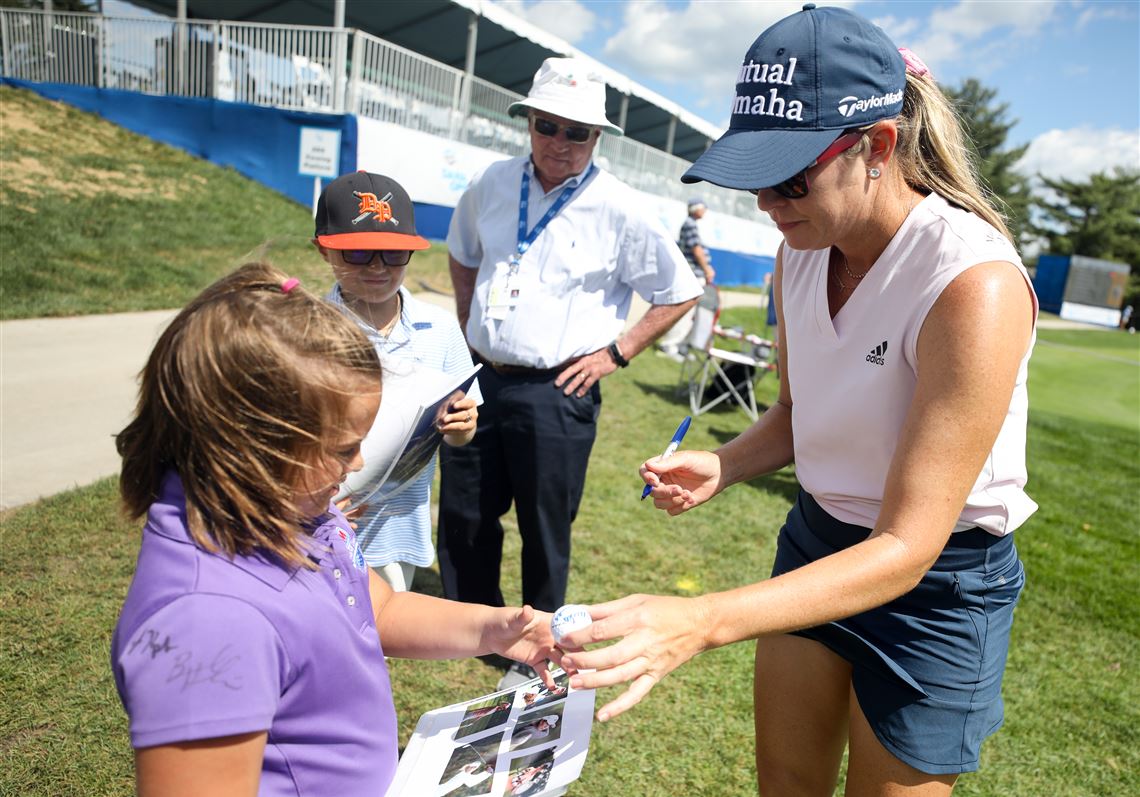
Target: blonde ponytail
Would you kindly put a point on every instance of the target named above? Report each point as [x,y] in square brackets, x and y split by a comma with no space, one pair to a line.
[933,156]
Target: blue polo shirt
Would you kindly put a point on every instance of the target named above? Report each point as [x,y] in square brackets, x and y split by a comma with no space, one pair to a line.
[207,646]
[399,530]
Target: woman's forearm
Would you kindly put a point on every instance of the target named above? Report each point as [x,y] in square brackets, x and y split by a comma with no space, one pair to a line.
[851,581]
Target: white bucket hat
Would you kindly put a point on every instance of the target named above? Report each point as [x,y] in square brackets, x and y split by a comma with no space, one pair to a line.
[569,88]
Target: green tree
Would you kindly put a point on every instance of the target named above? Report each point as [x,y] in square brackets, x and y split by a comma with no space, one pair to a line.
[1096,218]
[987,129]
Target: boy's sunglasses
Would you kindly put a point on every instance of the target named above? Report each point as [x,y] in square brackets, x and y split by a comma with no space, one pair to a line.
[796,186]
[575,134]
[364,257]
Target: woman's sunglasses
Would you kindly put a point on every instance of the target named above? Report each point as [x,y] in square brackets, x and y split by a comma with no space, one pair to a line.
[796,186]
[364,257]
[575,134]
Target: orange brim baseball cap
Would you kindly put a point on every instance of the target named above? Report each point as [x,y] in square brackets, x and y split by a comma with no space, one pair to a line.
[363,210]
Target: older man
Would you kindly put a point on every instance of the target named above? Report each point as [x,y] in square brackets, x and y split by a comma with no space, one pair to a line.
[546,252]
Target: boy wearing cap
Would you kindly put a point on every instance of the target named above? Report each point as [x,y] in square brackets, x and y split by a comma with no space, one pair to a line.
[689,240]
[546,252]
[366,230]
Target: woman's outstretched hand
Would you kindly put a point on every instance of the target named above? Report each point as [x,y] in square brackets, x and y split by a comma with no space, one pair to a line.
[657,635]
[682,481]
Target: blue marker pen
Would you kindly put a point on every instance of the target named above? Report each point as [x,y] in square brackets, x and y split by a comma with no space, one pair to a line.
[674,444]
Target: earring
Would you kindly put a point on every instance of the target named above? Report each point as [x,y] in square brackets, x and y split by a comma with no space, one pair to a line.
[874,173]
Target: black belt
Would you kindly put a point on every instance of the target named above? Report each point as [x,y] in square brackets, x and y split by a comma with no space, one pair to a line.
[507,369]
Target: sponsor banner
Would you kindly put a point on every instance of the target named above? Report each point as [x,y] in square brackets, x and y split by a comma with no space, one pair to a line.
[433,170]
[1103,316]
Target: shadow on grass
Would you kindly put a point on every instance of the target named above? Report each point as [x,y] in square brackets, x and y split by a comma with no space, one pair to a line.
[679,394]
[676,393]
[782,483]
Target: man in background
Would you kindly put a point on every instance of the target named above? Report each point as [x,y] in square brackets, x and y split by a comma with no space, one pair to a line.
[674,342]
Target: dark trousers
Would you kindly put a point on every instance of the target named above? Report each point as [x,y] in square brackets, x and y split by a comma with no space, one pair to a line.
[531,448]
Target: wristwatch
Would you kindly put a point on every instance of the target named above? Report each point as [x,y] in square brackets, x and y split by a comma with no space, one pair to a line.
[615,352]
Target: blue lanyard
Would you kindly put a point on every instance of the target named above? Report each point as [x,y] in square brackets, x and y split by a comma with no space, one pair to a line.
[526,239]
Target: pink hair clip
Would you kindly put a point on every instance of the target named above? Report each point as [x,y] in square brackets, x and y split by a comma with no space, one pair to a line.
[915,65]
[290,284]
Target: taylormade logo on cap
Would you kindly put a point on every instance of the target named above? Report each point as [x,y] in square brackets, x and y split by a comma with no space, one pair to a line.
[804,80]
[849,106]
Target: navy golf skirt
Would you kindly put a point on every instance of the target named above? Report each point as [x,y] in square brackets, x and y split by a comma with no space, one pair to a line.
[926,667]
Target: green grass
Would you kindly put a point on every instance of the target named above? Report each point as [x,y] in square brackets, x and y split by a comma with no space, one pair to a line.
[1088,375]
[1072,694]
[1071,688]
[115,222]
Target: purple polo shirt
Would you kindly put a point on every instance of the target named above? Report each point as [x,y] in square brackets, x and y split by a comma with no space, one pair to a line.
[209,647]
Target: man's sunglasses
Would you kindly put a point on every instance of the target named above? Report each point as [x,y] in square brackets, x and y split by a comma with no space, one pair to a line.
[364,257]
[575,134]
[796,186]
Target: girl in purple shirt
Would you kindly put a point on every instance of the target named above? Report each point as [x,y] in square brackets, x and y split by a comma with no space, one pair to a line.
[248,653]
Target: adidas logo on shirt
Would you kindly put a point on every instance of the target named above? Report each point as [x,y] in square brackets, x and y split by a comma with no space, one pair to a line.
[876,355]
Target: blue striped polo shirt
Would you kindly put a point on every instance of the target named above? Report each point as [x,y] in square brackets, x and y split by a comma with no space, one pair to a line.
[400,529]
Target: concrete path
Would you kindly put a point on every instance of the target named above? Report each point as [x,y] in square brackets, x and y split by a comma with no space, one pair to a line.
[68,385]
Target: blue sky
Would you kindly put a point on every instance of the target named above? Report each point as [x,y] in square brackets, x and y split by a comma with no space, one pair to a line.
[1068,69]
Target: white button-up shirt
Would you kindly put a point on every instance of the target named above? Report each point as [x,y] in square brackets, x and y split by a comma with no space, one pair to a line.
[578,277]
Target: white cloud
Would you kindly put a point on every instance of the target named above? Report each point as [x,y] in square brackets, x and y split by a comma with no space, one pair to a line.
[701,44]
[898,30]
[1098,11]
[1080,152]
[571,20]
[964,32]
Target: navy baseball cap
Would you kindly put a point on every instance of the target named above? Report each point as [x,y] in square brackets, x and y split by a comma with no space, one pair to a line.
[803,81]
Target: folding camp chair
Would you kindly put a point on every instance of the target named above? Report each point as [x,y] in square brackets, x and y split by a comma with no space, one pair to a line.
[712,374]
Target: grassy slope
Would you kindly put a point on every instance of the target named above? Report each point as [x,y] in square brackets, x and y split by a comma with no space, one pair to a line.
[1071,690]
[113,221]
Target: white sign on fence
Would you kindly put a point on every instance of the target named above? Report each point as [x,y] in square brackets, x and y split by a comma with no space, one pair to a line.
[320,152]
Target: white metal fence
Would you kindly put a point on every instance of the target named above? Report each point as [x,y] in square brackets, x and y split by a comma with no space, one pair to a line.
[305,68]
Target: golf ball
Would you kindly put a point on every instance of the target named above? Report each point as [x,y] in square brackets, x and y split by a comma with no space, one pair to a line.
[569,618]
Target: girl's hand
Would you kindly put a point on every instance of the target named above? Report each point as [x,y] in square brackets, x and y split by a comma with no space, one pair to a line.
[461,418]
[683,481]
[524,635]
[658,635]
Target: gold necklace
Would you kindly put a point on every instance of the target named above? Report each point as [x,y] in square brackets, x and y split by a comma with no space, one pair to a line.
[850,273]
[839,280]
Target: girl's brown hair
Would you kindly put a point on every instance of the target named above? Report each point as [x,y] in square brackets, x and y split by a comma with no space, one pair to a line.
[240,394]
[933,155]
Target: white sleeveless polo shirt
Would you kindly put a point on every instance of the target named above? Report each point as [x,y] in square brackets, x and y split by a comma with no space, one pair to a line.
[853,377]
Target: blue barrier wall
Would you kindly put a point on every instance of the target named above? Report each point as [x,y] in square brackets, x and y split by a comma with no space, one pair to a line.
[739,268]
[1049,281]
[261,143]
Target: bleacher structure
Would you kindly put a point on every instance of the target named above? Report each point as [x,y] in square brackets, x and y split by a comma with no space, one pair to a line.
[309,68]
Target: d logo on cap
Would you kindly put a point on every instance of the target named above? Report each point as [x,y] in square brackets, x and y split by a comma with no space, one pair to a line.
[370,204]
